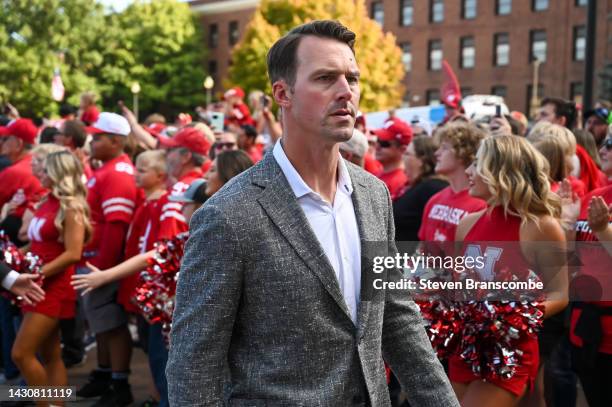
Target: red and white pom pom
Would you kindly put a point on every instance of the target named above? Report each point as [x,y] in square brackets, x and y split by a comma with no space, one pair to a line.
[22,263]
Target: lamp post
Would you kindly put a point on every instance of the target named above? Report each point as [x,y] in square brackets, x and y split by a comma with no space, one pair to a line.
[135,91]
[535,98]
[209,83]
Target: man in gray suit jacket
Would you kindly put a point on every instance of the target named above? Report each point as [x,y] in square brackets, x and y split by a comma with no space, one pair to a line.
[275,305]
[22,285]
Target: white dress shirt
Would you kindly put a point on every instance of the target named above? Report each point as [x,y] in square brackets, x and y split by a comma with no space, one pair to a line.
[10,279]
[335,226]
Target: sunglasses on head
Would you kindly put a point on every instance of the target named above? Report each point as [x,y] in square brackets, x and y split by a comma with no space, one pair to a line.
[607,143]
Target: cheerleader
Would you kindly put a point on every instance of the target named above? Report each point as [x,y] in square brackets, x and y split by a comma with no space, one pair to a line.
[57,232]
[511,176]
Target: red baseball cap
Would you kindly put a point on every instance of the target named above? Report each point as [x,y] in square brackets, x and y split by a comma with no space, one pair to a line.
[21,128]
[235,91]
[395,129]
[190,138]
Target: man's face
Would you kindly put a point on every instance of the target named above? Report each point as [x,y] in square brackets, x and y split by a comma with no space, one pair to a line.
[547,114]
[11,147]
[226,141]
[61,140]
[174,162]
[325,97]
[446,159]
[597,127]
[388,152]
[102,147]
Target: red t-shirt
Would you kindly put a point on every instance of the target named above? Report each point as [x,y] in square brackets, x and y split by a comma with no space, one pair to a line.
[44,238]
[20,185]
[395,180]
[206,166]
[443,212]
[112,197]
[255,153]
[172,221]
[90,115]
[372,165]
[141,238]
[240,115]
[595,262]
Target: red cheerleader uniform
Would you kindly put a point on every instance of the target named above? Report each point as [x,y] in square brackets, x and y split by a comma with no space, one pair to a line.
[60,297]
[491,228]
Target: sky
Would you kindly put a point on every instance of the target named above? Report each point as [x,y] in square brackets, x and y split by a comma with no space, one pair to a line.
[117,5]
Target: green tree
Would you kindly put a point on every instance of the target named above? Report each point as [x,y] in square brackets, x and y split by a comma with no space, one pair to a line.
[37,36]
[158,44]
[155,43]
[378,57]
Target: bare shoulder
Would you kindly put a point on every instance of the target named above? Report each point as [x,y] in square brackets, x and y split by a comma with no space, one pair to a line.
[466,224]
[547,228]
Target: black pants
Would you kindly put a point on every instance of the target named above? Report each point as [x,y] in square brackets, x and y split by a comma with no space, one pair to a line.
[596,380]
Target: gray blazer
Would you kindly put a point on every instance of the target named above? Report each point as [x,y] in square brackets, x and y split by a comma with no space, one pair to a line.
[257,297]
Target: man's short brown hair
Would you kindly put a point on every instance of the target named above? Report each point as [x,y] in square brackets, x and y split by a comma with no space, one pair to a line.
[282,57]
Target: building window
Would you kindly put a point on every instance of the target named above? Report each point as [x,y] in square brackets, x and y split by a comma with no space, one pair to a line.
[406,12]
[406,99]
[579,42]
[539,98]
[233,32]
[466,92]
[436,11]
[378,12]
[502,49]
[503,7]
[433,97]
[468,9]
[435,55]
[539,5]
[212,68]
[581,3]
[499,90]
[213,36]
[576,91]
[406,56]
[468,53]
[538,45]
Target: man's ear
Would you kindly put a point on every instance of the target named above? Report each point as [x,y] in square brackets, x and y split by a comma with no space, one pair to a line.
[281,91]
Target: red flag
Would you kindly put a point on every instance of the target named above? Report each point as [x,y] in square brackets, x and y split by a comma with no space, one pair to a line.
[57,86]
[450,93]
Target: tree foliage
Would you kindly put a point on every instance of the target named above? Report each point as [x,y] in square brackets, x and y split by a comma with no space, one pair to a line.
[154,43]
[378,57]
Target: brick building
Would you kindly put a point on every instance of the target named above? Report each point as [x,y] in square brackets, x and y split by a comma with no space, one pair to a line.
[491,44]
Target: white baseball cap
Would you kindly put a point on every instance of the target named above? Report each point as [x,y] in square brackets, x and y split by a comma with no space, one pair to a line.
[357,144]
[110,123]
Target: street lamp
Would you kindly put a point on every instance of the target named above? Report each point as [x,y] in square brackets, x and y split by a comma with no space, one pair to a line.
[209,83]
[534,87]
[135,91]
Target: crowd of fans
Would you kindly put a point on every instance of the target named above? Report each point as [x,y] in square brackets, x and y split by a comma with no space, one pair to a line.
[92,193]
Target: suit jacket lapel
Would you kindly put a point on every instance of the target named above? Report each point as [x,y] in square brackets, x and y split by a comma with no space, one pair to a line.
[361,202]
[281,205]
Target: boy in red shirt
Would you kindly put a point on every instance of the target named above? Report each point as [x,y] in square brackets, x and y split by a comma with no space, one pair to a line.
[458,145]
[112,196]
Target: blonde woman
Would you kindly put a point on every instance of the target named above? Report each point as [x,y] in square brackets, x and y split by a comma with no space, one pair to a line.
[510,175]
[57,232]
[558,145]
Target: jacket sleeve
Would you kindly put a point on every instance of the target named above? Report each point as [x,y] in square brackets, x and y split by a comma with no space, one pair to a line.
[406,347]
[207,297]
